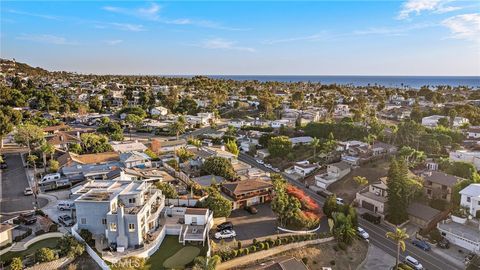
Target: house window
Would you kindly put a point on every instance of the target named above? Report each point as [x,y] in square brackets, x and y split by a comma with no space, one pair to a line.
[104,221]
[468,199]
[444,196]
[429,191]
[131,227]
[444,187]
[113,227]
[132,200]
[83,220]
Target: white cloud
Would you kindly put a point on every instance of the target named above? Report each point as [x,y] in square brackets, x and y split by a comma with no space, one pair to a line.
[223,44]
[392,31]
[148,13]
[113,42]
[43,16]
[128,27]
[48,39]
[465,26]
[313,37]
[418,6]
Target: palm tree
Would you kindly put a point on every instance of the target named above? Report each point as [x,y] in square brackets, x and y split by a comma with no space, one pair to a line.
[177,127]
[315,143]
[399,236]
[49,149]
[343,228]
[205,263]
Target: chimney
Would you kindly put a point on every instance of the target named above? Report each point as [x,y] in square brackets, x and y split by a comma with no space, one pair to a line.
[122,240]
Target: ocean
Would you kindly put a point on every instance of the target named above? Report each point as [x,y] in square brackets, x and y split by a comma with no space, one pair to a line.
[388,81]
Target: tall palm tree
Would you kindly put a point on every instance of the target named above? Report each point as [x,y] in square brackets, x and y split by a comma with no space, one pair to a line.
[315,143]
[399,236]
[177,128]
[49,149]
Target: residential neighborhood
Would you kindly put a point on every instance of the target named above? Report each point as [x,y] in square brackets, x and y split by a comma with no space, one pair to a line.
[174,172]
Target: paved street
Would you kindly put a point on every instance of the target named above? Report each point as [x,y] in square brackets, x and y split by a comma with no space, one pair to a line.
[13,183]
[377,233]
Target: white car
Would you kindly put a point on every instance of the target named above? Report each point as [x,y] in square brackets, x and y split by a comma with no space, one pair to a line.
[362,233]
[259,161]
[268,166]
[28,191]
[414,263]
[276,170]
[340,201]
[225,234]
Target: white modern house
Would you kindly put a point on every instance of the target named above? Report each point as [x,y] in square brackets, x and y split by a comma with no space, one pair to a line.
[335,172]
[304,140]
[465,232]
[470,198]
[432,121]
[373,197]
[162,111]
[123,213]
[304,168]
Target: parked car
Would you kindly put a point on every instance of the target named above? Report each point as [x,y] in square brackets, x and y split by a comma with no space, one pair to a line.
[28,218]
[421,244]
[444,243]
[276,170]
[225,226]
[373,218]
[362,233]
[3,165]
[66,220]
[28,191]
[251,209]
[340,201]
[259,161]
[225,234]
[65,206]
[414,263]
[268,166]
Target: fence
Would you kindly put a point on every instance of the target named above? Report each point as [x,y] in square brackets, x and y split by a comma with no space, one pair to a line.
[180,175]
[89,250]
[182,202]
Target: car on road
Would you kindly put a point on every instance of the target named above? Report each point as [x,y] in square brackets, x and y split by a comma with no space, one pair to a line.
[340,201]
[421,244]
[251,209]
[225,226]
[268,166]
[225,234]
[65,206]
[66,220]
[414,263]
[276,170]
[259,161]
[28,218]
[28,191]
[362,233]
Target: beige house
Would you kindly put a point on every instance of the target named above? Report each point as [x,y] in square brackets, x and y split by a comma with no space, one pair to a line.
[439,185]
[6,234]
[374,197]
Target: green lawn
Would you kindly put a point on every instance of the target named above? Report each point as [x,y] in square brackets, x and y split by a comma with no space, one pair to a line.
[50,243]
[173,254]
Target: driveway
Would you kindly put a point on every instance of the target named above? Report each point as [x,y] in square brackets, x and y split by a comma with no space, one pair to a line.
[13,183]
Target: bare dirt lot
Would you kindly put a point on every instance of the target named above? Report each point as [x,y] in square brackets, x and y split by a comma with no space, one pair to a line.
[326,255]
[346,188]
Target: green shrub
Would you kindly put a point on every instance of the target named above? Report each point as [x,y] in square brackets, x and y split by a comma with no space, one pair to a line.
[53,228]
[305,260]
[332,262]
[239,244]
[69,246]
[234,253]
[253,248]
[45,255]
[87,237]
[261,246]
[254,241]
[40,232]
[247,251]
[267,246]
[16,264]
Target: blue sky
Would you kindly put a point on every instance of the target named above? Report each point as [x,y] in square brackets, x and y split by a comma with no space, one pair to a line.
[411,37]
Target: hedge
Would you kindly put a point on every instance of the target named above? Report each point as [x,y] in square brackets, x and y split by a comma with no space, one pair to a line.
[19,238]
[269,243]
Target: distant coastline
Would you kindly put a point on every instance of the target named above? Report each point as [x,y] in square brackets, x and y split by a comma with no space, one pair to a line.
[388,81]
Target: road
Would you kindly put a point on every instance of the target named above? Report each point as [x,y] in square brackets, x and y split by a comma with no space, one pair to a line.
[13,182]
[377,233]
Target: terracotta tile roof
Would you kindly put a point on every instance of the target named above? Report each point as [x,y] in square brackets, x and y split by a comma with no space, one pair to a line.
[88,158]
[62,137]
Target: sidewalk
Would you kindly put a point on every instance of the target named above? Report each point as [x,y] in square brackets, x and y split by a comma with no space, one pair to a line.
[378,259]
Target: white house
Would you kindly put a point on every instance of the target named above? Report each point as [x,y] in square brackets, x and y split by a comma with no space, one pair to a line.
[373,197]
[304,168]
[432,121]
[466,156]
[159,111]
[301,140]
[342,110]
[335,172]
[236,123]
[473,132]
[471,199]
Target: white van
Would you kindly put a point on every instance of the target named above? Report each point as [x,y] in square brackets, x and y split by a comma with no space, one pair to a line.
[65,205]
[50,177]
[414,263]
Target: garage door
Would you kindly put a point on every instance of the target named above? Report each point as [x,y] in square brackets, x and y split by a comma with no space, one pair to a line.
[368,206]
[253,201]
